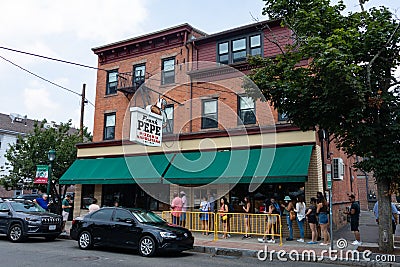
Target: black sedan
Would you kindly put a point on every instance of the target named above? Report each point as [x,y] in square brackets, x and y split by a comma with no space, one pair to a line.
[130,228]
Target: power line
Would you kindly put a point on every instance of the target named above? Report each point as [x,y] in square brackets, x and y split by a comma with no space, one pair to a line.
[96,68]
[44,79]
[49,58]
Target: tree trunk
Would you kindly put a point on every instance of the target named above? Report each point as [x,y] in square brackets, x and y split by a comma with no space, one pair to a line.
[386,242]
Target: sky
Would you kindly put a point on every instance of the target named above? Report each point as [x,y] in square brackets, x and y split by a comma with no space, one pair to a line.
[68,30]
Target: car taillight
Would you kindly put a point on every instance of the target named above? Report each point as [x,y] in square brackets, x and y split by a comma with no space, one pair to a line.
[73,222]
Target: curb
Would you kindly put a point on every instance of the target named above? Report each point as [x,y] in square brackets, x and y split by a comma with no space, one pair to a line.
[233,252]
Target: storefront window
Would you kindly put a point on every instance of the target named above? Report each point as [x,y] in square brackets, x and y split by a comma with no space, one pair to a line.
[133,196]
[263,192]
[87,195]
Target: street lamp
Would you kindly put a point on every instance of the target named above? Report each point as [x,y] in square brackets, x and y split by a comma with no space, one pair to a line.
[51,155]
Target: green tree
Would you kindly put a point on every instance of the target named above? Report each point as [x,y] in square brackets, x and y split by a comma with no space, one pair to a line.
[31,150]
[338,74]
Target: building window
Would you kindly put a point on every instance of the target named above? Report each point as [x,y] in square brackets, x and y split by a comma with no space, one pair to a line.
[239,50]
[87,195]
[223,53]
[169,119]
[255,45]
[112,82]
[109,126]
[168,71]
[246,110]
[209,118]
[139,72]
[236,50]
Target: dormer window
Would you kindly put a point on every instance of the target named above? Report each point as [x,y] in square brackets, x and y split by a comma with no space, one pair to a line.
[237,50]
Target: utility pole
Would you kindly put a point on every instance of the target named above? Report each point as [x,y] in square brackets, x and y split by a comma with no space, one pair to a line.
[83,102]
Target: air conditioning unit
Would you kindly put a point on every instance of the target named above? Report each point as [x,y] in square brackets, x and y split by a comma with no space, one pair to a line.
[338,169]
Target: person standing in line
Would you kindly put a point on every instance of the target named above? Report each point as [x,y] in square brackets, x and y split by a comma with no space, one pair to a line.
[395,212]
[287,207]
[272,219]
[94,206]
[246,208]
[320,196]
[176,206]
[224,216]
[211,200]
[354,213]
[312,220]
[43,201]
[322,211]
[184,208]
[205,209]
[66,209]
[300,216]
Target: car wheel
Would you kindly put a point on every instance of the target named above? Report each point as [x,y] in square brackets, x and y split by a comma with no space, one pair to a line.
[147,246]
[51,237]
[85,240]
[15,234]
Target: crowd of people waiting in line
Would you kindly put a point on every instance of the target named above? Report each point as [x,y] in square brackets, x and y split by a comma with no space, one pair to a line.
[316,215]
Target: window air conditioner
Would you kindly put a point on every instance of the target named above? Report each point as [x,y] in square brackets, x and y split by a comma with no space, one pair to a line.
[338,169]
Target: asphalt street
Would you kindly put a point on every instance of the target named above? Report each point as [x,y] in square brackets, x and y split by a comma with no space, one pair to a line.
[38,252]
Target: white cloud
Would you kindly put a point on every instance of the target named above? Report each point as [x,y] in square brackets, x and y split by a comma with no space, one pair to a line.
[89,19]
[38,101]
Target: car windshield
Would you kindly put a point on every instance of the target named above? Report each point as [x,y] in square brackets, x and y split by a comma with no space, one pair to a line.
[147,216]
[26,207]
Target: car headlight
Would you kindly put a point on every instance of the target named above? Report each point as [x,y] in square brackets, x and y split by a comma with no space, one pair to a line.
[33,221]
[168,235]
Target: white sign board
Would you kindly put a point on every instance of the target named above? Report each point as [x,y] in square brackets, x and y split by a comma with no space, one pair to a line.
[146,127]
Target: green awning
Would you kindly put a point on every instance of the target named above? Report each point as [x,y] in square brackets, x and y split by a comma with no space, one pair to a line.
[120,170]
[263,165]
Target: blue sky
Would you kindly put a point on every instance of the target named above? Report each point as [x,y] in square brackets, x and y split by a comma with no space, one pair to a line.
[69,29]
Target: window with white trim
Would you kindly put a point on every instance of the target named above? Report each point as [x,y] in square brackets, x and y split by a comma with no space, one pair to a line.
[237,50]
[209,118]
[168,71]
[112,82]
[246,110]
[109,126]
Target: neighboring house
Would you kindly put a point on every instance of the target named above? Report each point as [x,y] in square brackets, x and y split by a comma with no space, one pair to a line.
[209,117]
[12,126]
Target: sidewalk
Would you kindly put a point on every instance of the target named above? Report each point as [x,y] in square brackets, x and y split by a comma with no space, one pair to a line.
[235,246]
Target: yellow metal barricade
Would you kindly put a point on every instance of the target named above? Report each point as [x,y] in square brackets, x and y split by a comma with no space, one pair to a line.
[233,223]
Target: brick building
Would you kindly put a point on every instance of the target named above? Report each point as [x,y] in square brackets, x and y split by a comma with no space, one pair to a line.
[217,141]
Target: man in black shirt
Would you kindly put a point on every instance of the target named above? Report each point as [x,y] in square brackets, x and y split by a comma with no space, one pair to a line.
[354,213]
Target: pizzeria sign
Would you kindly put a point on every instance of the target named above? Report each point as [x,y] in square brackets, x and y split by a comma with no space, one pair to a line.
[146,127]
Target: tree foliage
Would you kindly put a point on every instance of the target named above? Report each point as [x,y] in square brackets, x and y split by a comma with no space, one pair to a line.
[338,74]
[31,150]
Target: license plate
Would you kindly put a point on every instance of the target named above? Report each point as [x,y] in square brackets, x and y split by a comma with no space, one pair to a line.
[52,227]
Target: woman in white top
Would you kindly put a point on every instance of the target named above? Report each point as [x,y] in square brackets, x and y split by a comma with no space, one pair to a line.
[94,206]
[301,215]
[204,207]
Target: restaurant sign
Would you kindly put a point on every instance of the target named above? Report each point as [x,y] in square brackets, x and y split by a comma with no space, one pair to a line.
[146,127]
[42,174]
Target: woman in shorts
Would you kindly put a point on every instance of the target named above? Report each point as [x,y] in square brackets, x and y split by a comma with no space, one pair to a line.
[311,216]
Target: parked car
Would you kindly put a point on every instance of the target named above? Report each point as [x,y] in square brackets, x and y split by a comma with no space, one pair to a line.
[29,196]
[130,228]
[20,219]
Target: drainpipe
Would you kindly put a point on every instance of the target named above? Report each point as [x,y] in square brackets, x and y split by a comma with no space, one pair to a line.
[322,138]
[191,85]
